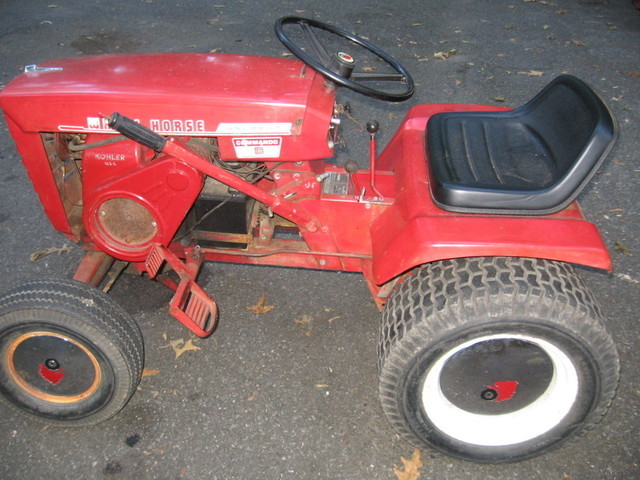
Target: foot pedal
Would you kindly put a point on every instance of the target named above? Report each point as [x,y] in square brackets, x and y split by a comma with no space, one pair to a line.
[154,260]
[192,307]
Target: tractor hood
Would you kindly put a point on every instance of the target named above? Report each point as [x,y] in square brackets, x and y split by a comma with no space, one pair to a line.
[174,94]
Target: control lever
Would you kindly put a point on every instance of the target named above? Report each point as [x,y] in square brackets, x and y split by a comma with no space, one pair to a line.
[373,127]
[136,132]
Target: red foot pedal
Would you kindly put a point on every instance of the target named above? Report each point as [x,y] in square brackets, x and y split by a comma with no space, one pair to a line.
[192,307]
[154,260]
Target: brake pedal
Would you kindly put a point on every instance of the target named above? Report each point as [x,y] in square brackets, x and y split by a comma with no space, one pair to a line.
[192,307]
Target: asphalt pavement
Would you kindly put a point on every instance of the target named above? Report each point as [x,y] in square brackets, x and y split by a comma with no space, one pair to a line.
[293,393]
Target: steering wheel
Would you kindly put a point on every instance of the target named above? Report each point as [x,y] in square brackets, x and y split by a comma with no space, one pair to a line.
[339,67]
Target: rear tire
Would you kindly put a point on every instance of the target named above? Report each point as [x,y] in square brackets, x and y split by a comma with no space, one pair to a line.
[69,355]
[494,359]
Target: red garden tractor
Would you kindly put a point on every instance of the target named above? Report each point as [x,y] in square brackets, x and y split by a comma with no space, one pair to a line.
[465,227]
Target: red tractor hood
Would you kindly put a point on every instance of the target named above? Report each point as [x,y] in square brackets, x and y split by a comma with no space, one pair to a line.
[174,94]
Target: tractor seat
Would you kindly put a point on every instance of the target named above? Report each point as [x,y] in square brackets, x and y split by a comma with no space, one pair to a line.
[533,160]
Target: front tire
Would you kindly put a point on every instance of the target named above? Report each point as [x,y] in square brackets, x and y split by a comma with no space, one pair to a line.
[69,355]
[494,359]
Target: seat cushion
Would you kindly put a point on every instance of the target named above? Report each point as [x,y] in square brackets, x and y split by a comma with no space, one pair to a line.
[531,160]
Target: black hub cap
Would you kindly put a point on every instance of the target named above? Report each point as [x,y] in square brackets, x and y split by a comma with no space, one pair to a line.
[53,367]
[496,376]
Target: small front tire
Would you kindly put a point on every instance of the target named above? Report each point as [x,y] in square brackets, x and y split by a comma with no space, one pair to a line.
[69,355]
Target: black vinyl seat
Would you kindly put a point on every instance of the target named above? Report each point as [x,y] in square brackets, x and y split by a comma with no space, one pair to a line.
[533,160]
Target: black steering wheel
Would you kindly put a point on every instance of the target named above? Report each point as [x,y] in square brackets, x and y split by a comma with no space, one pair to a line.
[338,68]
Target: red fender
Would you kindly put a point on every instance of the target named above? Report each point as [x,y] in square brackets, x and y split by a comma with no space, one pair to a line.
[413,231]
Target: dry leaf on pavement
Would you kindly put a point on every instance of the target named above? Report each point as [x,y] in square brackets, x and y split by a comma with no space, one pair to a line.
[180,346]
[445,55]
[47,251]
[147,372]
[260,308]
[411,467]
[532,73]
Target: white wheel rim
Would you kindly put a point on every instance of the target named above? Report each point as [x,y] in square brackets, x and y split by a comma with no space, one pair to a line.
[535,419]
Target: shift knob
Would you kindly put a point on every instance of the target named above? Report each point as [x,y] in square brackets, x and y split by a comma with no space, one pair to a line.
[372,127]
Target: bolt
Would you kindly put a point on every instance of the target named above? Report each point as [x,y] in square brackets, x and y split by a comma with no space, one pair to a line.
[52,364]
[323,262]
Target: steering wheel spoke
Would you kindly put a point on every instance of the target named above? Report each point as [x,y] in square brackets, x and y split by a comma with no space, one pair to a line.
[378,77]
[325,58]
[323,62]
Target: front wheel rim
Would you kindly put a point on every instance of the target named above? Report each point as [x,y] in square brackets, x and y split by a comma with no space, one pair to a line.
[37,370]
[539,416]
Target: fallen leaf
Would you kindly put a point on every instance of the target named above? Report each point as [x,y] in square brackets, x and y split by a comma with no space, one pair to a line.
[578,43]
[47,251]
[304,320]
[445,55]
[333,319]
[260,308]
[532,73]
[368,69]
[180,346]
[147,373]
[500,99]
[187,346]
[411,467]
[619,247]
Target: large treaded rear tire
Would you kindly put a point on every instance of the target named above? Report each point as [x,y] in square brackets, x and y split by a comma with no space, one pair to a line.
[69,355]
[494,359]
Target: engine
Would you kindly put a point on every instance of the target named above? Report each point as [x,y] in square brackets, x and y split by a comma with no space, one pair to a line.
[243,113]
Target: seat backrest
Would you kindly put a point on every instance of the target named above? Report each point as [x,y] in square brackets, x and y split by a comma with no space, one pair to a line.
[575,125]
[533,160]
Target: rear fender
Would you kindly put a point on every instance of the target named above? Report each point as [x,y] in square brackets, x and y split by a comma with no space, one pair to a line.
[414,231]
[399,245]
